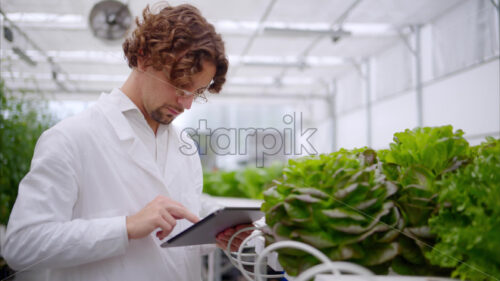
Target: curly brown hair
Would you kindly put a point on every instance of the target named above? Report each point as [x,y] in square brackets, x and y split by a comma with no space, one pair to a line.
[177,40]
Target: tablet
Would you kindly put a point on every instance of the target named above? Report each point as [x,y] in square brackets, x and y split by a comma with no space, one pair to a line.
[204,231]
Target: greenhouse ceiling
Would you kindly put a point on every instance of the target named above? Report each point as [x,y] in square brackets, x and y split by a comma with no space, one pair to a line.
[276,48]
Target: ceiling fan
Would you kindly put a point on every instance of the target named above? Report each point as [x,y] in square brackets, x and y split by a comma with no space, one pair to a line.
[110,20]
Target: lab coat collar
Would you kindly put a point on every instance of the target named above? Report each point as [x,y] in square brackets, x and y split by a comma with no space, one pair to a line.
[112,105]
[123,101]
[125,104]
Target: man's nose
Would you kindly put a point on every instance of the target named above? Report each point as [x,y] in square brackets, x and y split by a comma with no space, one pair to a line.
[186,102]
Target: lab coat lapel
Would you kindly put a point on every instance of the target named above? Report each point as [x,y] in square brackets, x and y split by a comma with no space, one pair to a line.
[130,141]
[173,163]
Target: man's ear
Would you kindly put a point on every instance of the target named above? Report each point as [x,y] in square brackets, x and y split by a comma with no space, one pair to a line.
[141,61]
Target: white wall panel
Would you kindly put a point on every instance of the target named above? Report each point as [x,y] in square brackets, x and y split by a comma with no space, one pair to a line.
[392,115]
[350,92]
[469,100]
[464,36]
[393,70]
[352,129]
[322,139]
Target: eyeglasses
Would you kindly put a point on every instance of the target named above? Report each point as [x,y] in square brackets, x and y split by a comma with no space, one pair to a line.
[199,95]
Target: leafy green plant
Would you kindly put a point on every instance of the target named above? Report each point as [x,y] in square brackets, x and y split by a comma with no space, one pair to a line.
[372,208]
[22,121]
[417,160]
[246,183]
[339,203]
[468,222]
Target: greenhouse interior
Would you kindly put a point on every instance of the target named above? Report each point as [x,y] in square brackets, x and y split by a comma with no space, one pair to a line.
[319,140]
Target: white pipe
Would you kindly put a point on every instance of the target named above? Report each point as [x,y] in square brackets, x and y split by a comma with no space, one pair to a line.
[237,262]
[292,244]
[343,266]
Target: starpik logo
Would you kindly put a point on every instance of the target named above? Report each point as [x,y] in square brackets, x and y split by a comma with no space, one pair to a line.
[257,143]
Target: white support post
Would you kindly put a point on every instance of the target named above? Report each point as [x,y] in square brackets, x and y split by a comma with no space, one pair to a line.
[416,51]
[418,75]
[331,100]
[367,89]
[217,265]
[211,266]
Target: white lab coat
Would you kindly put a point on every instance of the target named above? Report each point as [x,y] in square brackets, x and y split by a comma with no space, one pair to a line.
[87,174]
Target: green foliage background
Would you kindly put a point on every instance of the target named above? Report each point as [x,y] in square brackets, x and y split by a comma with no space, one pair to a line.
[22,121]
[246,183]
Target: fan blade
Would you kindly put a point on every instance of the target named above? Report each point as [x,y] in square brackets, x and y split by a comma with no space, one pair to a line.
[109,32]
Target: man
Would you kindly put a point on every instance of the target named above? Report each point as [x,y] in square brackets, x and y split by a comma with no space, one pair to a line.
[107,186]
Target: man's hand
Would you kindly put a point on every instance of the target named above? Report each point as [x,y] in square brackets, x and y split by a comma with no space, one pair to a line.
[162,212]
[223,237]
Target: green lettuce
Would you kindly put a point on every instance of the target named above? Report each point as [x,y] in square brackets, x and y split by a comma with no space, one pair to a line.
[417,160]
[468,222]
[341,204]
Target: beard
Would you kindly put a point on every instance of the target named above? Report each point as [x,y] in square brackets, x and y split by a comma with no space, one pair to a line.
[162,115]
